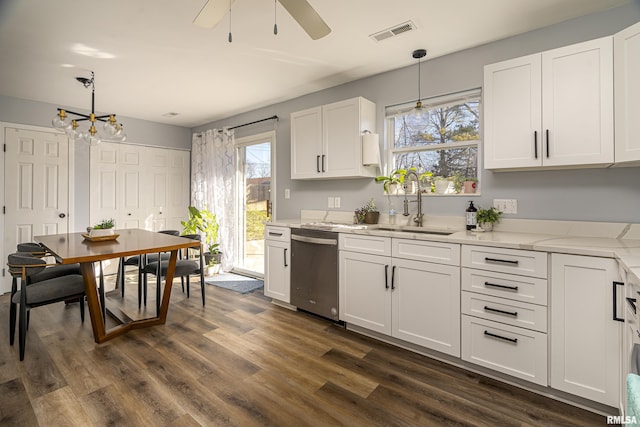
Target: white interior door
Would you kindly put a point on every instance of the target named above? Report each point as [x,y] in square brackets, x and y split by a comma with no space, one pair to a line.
[139,187]
[36,186]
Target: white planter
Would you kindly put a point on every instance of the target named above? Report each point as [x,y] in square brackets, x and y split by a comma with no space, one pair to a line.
[442,186]
[101,232]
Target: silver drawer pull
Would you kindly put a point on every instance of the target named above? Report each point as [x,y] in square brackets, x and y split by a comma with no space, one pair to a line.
[513,340]
[495,310]
[271,233]
[503,261]
[511,288]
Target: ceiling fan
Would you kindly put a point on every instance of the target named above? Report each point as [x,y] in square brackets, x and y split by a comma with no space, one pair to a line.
[214,10]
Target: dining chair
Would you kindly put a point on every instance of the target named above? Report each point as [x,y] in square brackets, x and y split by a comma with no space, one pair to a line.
[185,267]
[32,294]
[140,261]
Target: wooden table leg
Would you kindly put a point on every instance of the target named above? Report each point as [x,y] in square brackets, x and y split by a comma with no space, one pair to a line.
[171,269]
[95,311]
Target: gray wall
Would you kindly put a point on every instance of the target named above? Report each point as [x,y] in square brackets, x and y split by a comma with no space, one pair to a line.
[22,111]
[589,194]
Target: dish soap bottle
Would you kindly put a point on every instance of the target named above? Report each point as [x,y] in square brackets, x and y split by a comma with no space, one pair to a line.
[472,216]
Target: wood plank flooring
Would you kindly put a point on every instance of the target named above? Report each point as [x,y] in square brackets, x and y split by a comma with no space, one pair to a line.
[242,361]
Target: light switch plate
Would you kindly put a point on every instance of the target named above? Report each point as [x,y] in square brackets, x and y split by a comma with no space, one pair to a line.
[287,193]
[331,202]
[336,202]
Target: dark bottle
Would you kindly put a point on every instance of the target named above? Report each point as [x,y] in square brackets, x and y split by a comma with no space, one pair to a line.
[472,216]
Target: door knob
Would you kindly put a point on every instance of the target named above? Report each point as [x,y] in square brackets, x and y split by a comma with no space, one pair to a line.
[62,215]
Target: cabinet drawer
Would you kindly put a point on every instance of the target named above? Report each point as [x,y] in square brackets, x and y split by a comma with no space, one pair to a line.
[281,234]
[420,250]
[367,244]
[520,288]
[515,261]
[514,351]
[514,313]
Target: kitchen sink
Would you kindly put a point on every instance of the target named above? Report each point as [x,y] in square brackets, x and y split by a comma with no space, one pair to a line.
[410,229]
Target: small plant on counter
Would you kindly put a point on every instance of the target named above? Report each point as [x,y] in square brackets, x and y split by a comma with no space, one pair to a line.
[487,217]
[367,213]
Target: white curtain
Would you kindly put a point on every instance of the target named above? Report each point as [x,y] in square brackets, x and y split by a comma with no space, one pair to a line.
[213,174]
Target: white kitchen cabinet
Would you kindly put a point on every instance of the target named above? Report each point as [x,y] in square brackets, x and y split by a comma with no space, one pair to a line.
[553,109]
[425,305]
[277,261]
[504,311]
[585,337]
[626,45]
[415,301]
[326,141]
[365,290]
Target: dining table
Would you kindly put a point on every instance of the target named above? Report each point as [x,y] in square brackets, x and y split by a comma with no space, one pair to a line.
[71,248]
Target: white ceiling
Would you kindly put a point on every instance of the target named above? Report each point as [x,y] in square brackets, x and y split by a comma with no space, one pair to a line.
[150,60]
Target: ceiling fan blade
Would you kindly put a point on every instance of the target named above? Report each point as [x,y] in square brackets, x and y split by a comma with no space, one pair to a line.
[212,12]
[307,17]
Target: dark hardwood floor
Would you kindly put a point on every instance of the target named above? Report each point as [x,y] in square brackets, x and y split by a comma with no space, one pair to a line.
[243,361]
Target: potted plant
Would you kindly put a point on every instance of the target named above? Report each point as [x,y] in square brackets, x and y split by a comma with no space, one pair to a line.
[470,185]
[441,184]
[487,217]
[203,221]
[103,228]
[390,182]
[368,214]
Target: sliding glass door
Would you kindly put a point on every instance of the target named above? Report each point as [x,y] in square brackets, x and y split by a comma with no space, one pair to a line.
[255,184]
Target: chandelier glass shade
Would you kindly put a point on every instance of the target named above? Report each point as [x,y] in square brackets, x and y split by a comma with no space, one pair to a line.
[99,127]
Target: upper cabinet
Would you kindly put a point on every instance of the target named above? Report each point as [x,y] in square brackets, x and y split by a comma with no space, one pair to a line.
[553,109]
[326,141]
[626,46]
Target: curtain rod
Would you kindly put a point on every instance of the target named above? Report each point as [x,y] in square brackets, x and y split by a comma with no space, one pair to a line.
[274,117]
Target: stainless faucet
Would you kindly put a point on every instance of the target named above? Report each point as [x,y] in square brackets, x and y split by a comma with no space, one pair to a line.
[419,215]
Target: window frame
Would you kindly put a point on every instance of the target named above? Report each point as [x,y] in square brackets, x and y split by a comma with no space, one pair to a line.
[455,98]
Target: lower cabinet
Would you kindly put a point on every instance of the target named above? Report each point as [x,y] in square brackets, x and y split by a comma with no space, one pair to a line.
[504,307]
[277,259]
[513,350]
[585,335]
[415,301]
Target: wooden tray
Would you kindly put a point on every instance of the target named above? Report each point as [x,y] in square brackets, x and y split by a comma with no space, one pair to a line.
[100,238]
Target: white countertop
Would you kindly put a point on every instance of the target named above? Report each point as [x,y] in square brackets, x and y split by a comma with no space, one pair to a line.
[608,240]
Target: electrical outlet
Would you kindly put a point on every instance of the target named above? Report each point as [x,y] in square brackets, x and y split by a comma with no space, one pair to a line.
[500,204]
[287,193]
[331,202]
[506,206]
[336,202]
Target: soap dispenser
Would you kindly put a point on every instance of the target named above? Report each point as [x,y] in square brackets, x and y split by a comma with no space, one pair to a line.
[472,216]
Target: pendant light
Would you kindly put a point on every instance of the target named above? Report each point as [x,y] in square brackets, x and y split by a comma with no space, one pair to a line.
[111,129]
[419,54]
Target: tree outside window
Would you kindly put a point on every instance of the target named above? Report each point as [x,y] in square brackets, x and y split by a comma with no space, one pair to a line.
[441,139]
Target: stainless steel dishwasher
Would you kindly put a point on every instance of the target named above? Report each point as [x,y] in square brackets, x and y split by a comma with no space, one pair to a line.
[314,272]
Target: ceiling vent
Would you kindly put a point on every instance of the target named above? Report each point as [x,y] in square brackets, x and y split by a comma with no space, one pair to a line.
[394,31]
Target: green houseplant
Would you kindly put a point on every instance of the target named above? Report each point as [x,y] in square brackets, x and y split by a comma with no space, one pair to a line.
[390,182]
[103,228]
[368,214]
[203,221]
[487,217]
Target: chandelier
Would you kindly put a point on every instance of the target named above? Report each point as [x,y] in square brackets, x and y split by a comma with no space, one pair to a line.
[110,129]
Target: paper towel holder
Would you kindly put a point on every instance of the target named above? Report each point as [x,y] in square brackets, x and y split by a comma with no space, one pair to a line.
[370,149]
